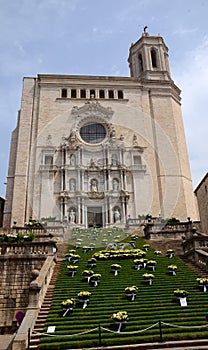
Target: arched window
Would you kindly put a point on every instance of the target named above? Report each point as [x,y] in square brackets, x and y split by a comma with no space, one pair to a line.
[154,58]
[73,93]
[64,93]
[101,94]
[120,94]
[83,93]
[141,67]
[92,93]
[111,93]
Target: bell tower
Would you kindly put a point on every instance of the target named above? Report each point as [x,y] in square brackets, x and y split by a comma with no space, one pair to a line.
[148,58]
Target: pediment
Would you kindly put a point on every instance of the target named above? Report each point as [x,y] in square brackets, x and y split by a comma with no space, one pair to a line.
[90,109]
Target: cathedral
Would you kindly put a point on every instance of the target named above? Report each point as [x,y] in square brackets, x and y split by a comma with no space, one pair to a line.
[94,151]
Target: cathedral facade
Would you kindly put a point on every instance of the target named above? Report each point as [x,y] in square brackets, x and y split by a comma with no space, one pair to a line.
[97,150]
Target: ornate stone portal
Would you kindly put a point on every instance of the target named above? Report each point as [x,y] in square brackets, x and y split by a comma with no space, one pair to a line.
[94,170]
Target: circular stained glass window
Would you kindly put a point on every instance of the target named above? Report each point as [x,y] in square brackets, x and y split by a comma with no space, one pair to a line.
[93,133]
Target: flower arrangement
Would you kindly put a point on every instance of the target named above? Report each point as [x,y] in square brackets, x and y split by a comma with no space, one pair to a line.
[157,252]
[115,268]
[134,236]
[203,283]
[120,317]
[131,292]
[146,247]
[17,238]
[87,274]
[170,253]
[68,305]
[83,295]
[172,269]
[68,302]
[140,263]
[84,298]
[74,258]
[85,249]
[95,279]
[92,262]
[180,293]
[72,269]
[148,277]
[151,264]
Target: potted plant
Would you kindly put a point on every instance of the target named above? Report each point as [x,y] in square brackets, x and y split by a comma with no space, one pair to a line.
[120,317]
[75,258]
[72,270]
[131,292]
[87,275]
[151,265]
[85,249]
[170,253]
[115,268]
[84,297]
[67,305]
[92,262]
[95,279]
[181,295]
[157,252]
[148,278]
[139,263]
[172,270]
[146,247]
[203,283]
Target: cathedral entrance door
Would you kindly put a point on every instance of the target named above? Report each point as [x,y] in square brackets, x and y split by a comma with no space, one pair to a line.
[94,217]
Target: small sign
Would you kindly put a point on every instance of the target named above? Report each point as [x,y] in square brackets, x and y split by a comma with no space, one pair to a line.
[51,329]
[183,302]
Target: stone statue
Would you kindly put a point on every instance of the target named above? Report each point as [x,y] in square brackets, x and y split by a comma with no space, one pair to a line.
[115,184]
[72,185]
[94,186]
[117,215]
[135,143]
[72,159]
[72,216]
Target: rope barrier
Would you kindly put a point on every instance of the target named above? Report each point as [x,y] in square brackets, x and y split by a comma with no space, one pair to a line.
[66,335]
[116,332]
[134,332]
[177,326]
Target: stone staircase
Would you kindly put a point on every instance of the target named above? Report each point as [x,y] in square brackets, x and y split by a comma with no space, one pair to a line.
[43,313]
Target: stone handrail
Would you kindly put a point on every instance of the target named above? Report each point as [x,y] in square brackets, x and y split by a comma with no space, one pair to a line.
[31,248]
[37,291]
[25,230]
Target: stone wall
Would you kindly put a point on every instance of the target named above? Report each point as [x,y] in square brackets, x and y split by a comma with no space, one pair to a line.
[17,265]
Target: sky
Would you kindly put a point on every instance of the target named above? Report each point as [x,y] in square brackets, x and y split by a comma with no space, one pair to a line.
[92,37]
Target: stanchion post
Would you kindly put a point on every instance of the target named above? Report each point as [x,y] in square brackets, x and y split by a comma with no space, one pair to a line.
[99,329]
[28,339]
[160,328]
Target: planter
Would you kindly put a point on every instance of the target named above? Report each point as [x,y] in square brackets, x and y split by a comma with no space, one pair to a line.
[87,274]
[84,298]
[84,302]
[120,318]
[66,311]
[203,283]
[148,278]
[131,296]
[67,305]
[115,268]
[95,279]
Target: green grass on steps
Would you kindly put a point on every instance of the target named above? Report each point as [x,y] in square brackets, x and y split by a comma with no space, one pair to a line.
[152,303]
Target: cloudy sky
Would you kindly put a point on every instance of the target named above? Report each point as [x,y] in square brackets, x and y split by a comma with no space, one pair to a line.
[93,37]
